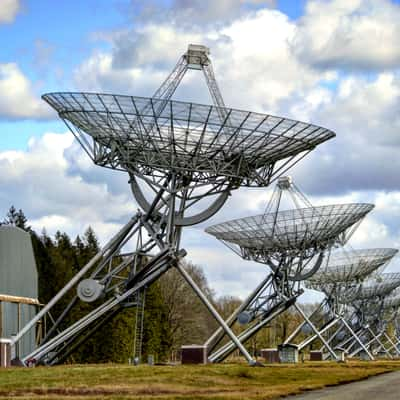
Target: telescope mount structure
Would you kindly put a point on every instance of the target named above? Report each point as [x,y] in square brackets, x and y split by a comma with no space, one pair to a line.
[293,244]
[392,307]
[183,161]
[390,310]
[368,306]
[342,271]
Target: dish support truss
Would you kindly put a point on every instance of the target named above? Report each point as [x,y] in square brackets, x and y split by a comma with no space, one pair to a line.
[280,289]
[396,325]
[351,269]
[113,281]
[372,338]
[361,327]
[319,326]
[370,317]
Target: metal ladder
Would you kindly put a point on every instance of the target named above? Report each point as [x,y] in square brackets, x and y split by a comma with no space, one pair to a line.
[139,322]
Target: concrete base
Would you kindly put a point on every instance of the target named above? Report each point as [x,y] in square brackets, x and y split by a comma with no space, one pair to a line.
[382,354]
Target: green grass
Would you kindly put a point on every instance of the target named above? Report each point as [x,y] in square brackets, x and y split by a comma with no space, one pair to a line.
[225,381]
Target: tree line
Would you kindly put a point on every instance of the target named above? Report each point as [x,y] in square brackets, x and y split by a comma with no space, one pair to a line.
[173,314]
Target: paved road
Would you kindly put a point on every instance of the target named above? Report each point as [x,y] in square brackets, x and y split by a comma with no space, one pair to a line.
[386,387]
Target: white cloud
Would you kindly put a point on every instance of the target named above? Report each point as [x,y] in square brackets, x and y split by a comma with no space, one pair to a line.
[196,14]
[9,10]
[38,182]
[17,98]
[372,233]
[252,56]
[350,34]
[364,155]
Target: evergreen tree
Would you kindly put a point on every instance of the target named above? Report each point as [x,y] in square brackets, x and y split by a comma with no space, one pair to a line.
[91,241]
[17,219]
[157,339]
[45,267]
[11,218]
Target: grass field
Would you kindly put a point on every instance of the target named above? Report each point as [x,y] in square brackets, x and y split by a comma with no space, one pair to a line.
[226,381]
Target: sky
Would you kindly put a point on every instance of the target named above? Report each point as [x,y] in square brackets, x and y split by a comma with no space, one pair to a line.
[335,63]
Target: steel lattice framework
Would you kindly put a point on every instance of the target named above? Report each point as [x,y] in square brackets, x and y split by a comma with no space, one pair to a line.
[391,307]
[367,313]
[349,267]
[392,301]
[152,136]
[376,287]
[267,236]
[344,271]
[177,154]
[292,243]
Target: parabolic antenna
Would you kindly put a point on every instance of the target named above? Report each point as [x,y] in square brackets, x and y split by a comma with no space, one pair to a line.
[176,154]
[154,136]
[292,243]
[343,271]
[377,287]
[350,266]
[211,149]
[259,237]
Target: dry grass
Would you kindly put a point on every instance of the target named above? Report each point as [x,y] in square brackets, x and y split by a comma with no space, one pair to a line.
[226,381]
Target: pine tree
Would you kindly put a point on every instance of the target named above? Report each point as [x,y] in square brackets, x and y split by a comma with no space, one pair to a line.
[157,338]
[91,241]
[45,267]
[17,219]
[11,218]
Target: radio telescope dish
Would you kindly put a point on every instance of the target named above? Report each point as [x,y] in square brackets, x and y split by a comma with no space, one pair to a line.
[177,154]
[382,286]
[343,271]
[214,149]
[376,287]
[392,301]
[350,266]
[258,238]
[150,136]
[292,243]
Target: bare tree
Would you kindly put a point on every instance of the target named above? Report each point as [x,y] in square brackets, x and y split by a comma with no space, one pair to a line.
[189,320]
